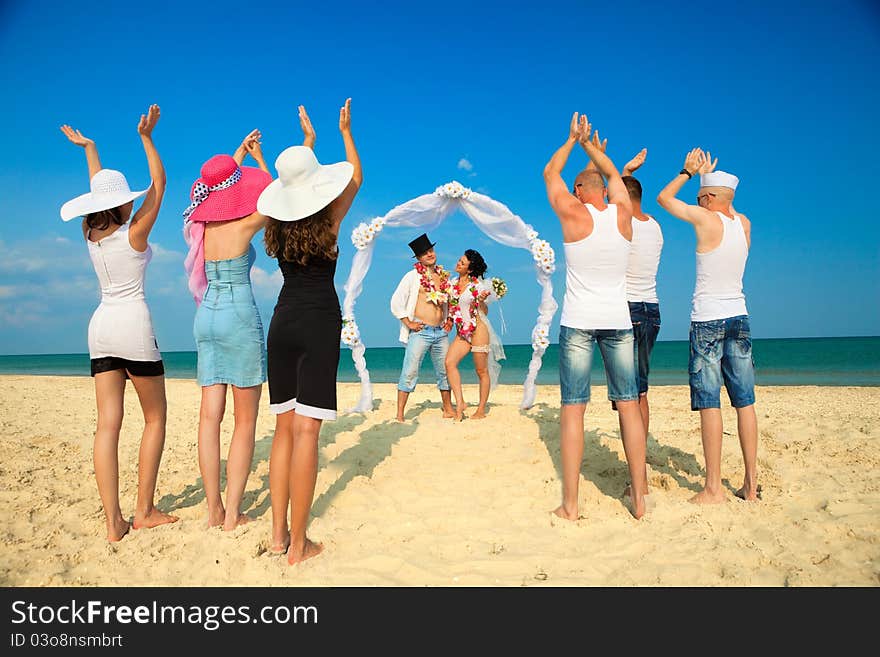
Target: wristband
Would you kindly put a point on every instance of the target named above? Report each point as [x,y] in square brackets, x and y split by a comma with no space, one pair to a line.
[687,173]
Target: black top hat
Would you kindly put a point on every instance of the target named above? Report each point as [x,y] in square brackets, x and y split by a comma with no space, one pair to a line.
[421,244]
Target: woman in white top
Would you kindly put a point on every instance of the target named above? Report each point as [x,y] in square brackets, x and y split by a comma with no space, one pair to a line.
[467,312]
[122,344]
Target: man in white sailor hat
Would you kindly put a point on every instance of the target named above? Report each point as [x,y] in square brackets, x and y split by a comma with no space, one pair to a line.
[720,336]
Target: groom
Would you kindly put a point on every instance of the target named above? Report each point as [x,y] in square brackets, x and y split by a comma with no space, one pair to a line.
[420,302]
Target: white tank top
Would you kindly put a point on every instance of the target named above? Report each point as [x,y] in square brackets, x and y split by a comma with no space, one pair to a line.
[595,276]
[718,293]
[120,268]
[121,326]
[644,259]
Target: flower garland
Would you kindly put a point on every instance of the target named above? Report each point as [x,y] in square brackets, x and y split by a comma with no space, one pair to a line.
[436,294]
[464,331]
[351,335]
[364,232]
[453,189]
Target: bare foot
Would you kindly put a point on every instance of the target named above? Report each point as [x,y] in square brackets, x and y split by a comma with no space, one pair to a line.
[154,518]
[448,412]
[238,522]
[478,414]
[636,508]
[459,412]
[400,418]
[745,493]
[117,530]
[280,547]
[308,551]
[216,517]
[705,497]
[565,514]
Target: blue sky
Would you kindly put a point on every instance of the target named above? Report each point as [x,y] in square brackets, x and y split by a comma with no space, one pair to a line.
[784,94]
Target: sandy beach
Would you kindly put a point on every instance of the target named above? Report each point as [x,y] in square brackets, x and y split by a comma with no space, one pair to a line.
[430,502]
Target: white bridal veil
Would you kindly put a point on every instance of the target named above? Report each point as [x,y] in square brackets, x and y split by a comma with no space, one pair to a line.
[426,212]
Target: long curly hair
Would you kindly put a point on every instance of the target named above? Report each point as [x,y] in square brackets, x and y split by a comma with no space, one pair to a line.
[302,241]
[477,265]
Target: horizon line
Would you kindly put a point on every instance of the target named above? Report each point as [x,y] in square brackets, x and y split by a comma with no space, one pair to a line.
[522,344]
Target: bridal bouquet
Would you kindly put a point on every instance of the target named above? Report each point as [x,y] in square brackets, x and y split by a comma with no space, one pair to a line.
[499,286]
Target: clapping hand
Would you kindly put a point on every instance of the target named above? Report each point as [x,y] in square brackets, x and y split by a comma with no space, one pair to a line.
[694,160]
[148,121]
[583,134]
[254,148]
[306,124]
[708,166]
[75,136]
[601,145]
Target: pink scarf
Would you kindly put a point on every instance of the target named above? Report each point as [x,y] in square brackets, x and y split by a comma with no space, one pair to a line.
[194,234]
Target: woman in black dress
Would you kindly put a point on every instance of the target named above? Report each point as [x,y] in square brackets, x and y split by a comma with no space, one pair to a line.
[305,207]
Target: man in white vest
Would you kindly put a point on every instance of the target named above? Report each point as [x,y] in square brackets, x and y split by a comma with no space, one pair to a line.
[720,335]
[421,303]
[597,238]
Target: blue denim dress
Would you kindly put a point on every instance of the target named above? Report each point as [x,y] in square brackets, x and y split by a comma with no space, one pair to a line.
[227,329]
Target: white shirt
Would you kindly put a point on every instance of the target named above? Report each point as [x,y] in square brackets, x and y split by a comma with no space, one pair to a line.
[595,276]
[644,259]
[404,300]
[718,293]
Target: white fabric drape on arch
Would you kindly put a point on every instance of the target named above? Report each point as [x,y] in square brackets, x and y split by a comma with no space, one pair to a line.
[426,212]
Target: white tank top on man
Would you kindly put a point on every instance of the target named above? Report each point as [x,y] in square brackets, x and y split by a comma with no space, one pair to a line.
[595,276]
[644,259]
[718,293]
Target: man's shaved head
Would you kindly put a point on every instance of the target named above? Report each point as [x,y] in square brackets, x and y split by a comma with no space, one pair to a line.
[590,180]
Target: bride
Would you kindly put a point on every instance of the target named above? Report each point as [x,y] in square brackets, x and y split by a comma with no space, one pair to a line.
[468,295]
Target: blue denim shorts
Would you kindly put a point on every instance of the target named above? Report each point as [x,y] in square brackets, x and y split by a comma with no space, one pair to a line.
[433,340]
[721,350]
[576,361]
[646,325]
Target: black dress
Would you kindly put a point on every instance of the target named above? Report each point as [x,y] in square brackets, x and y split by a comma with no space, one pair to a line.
[303,341]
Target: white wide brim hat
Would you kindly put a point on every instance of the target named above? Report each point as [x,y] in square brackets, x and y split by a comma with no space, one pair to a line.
[109,190]
[304,186]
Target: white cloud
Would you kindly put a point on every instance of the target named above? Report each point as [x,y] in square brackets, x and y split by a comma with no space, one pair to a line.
[465,165]
[266,285]
[161,253]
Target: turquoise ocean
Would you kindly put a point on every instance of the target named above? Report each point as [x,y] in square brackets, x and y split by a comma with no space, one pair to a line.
[851,361]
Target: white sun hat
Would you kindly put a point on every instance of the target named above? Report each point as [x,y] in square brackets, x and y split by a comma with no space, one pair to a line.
[109,190]
[304,186]
[719,179]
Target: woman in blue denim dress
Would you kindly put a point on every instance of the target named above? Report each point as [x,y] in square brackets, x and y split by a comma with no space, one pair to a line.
[221,221]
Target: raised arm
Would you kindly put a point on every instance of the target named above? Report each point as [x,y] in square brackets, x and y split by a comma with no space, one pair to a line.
[343,203]
[635,163]
[565,204]
[694,214]
[305,123]
[76,137]
[242,149]
[617,193]
[143,220]
[601,144]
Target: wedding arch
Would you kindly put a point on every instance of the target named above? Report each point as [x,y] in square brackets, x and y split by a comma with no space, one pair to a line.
[426,212]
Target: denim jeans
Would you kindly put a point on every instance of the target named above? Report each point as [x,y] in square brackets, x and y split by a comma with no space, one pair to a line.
[721,350]
[576,361]
[431,339]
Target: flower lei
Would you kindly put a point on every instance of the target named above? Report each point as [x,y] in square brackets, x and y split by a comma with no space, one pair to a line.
[436,294]
[455,313]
